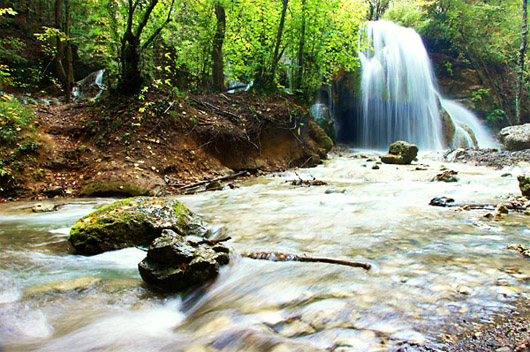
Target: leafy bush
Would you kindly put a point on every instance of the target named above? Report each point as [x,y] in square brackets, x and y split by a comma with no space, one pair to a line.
[408,13]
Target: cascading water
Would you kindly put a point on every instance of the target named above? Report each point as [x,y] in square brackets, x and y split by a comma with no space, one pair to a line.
[463,117]
[399,96]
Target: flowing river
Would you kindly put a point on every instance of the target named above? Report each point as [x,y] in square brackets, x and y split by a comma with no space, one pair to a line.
[432,267]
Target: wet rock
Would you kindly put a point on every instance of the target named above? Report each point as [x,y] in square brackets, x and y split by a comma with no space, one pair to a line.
[516,137]
[214,185]
[401,153]
[131,222]
[448,128]
[175,264]
[114,189]
[524,185]
[441,201]
[44,207]
[524,250]
[446,176]
[53,191]
[502,209]
[81,283]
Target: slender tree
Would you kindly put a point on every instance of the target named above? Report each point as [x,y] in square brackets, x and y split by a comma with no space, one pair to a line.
[217,50]
[520,69]
[268,79]
[59,56]
[301,45]
[69,55]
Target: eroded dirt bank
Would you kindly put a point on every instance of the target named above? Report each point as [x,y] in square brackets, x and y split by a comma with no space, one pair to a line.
[156,144]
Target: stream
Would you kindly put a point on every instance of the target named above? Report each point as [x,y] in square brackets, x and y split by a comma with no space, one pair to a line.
[431,267]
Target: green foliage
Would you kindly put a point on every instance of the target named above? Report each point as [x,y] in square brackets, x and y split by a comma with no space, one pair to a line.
[479,95]
[16,147]
[496,116]
[449,68]
[408,13]
[14,118]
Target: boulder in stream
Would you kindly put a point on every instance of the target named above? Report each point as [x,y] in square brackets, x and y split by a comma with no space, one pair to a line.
[516,137]
[175,263]
[131,222]
[401,153]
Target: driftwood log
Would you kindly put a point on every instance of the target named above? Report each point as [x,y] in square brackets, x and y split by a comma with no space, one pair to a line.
[187,188]
[284,257]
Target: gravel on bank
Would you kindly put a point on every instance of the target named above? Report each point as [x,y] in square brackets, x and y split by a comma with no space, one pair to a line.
[488,157]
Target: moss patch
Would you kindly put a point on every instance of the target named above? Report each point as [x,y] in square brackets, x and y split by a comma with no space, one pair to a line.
[131,222]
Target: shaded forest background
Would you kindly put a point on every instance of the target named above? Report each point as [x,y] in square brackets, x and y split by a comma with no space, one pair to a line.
[209,45]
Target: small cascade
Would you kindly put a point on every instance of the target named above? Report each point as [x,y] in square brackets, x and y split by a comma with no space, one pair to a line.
[463,118]
[322,111]
[89,87]
[399,97]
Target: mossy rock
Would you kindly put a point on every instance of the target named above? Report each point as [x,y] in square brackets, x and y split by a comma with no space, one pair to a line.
[400,152]
[131,222]
[114,189]
[524,185]
[320,136]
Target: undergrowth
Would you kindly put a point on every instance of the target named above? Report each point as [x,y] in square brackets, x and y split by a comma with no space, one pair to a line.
[17,142]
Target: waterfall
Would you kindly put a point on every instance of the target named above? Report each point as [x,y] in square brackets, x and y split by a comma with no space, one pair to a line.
[399,97]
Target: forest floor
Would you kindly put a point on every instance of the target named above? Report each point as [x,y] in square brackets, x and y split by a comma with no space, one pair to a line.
[159,145]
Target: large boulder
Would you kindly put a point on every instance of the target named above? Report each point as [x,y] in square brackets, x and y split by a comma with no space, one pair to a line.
[175,263]
[516,137]
[400,152]
[131,222]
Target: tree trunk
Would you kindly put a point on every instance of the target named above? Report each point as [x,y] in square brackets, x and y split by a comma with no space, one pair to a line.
[269,79]
[69,55]
[520,69]
[130,76]
[61,74]
[301,46]
[217,51]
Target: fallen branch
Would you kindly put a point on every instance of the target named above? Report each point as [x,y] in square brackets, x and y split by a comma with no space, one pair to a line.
[283,257]
[231,116]
[202,183]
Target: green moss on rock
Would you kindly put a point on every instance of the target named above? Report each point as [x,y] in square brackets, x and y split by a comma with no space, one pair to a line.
[400,152]
[320,136]
[524,185]
[131,222]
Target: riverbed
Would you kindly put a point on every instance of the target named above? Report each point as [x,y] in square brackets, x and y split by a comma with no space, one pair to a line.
[432,267]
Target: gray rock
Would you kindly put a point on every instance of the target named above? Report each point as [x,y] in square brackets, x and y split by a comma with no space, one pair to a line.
[175,264]
[516,137]
[44,207]
[401,153]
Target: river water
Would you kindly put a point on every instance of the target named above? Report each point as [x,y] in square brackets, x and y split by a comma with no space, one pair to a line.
[432,267]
